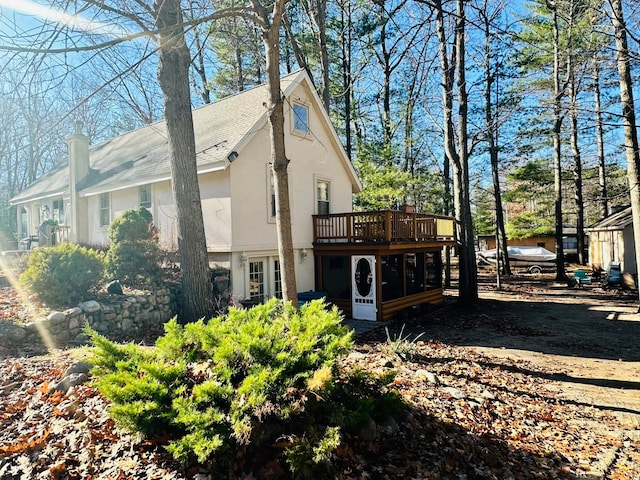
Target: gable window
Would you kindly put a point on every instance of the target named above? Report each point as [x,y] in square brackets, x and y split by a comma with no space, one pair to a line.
[105,210]
[144,196]
[322,197]
[300,118]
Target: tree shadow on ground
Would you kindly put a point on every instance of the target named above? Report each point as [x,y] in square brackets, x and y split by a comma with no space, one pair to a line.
[589,323]
[437,449]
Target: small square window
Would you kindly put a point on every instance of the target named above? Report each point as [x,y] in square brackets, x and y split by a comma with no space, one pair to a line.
[300,118]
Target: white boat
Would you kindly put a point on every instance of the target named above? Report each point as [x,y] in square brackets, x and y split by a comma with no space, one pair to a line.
[536,259]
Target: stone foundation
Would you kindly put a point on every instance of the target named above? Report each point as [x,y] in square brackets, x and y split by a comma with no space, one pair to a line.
[122,317]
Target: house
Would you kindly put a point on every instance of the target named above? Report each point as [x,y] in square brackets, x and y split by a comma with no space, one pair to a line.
[611,240]
[98,182]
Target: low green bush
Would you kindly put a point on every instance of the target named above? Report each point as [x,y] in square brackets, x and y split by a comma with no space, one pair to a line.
[230,388]
[132,226]
[133,262]
[134,254]
[61,275]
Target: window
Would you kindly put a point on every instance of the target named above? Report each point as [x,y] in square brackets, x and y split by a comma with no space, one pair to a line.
[58,211]
[322,196]
[414,268]
[277,279]
[256,280]
[300,118]
[433,268]
[272,193]
[336,276]
[392,273]
[24,222]
[105,210]
[144,195]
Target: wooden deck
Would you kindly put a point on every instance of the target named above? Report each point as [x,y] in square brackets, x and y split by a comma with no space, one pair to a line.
[386,226]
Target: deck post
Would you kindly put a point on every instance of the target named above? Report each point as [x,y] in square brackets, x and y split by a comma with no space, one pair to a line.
[387,226]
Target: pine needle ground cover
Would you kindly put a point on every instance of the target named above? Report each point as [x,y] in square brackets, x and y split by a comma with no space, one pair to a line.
[485,416]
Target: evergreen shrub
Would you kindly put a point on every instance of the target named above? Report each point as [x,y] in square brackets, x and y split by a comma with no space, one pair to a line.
[134,252]
[235,386]
[61,275]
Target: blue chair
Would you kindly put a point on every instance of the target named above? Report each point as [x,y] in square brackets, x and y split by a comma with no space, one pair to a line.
[614,275]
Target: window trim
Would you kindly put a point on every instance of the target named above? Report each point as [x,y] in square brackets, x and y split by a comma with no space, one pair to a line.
[102,209]
[271,195]
[145,188]
[277,278]
[261,277]
[296,118]
[316,199]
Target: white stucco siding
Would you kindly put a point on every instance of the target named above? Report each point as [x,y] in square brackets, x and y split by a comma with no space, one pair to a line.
[313,157]
[252,229]
[97,234]
[214,191]
[122,200]
[216,210]
[164,216]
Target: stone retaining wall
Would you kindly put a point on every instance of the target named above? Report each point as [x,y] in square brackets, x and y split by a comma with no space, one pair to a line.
[123,317]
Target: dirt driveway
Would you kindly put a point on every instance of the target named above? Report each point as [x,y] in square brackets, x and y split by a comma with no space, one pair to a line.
[586,340]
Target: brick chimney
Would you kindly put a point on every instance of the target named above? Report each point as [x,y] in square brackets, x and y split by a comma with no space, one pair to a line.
[78,153]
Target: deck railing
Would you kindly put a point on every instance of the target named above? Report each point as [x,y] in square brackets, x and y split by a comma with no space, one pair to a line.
[381,226]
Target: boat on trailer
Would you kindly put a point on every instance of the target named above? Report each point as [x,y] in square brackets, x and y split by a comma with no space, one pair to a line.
[534,259]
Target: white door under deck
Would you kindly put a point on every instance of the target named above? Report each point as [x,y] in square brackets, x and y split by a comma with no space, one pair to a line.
[363,287]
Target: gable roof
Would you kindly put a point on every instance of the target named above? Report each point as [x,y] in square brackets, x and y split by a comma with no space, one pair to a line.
[616,221]
[141,156]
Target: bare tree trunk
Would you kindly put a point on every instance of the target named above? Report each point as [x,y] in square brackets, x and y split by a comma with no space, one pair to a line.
[577,174]
[448,210]
[347,81]
[198,64]
[468,268]
[270,24]
[173,75]
[492,139]
[629,118]
[558,93]
[447,74]
[385,62]
[319,9]
[602,172]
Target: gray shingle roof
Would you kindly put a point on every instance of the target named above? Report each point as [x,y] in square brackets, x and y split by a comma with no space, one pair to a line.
[616,221]
[141,156]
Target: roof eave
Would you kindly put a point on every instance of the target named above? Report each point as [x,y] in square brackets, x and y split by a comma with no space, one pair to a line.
[208,168]
[35,198]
